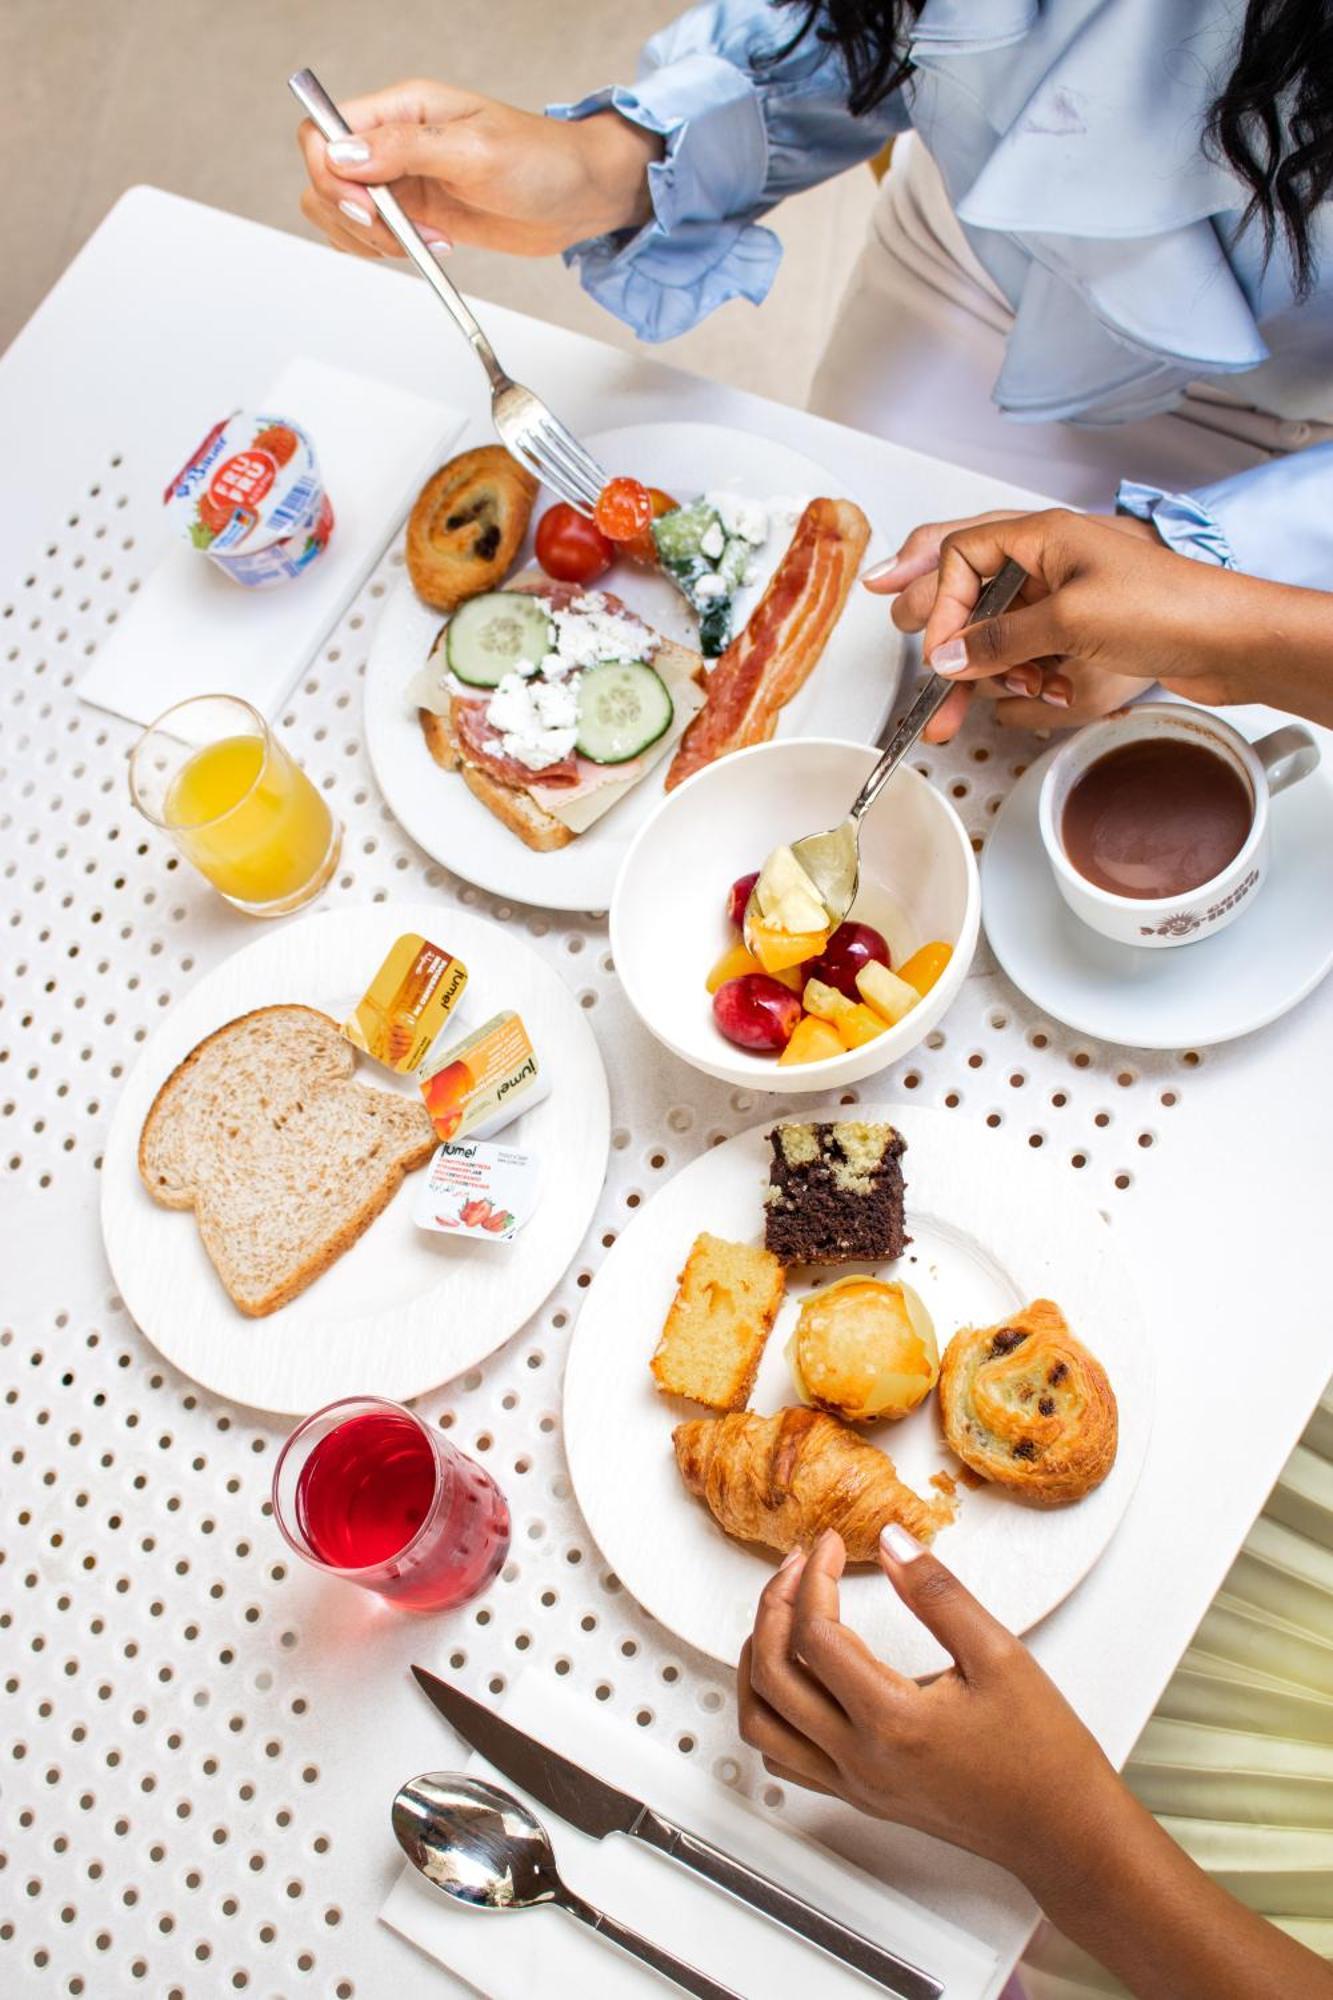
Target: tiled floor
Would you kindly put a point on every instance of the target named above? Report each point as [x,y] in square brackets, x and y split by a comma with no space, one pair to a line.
[191,96]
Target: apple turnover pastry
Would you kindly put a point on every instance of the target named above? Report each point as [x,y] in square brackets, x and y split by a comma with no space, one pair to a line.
[783,1480]
[1026,1405]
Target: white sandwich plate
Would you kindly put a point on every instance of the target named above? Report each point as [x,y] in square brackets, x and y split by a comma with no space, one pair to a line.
[849,693]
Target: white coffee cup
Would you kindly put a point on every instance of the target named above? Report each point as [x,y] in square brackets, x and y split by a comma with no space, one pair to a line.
[1266,767]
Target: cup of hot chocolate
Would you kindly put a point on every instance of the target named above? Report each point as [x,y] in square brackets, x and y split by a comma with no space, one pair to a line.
[1156,823]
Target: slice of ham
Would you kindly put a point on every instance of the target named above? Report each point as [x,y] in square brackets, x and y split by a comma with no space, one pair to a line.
[482,745]
[767,663]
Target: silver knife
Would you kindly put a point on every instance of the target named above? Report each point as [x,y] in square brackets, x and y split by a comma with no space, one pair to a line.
[597,1808]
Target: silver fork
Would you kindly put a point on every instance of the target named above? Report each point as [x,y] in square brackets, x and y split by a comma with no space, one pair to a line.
[526,427]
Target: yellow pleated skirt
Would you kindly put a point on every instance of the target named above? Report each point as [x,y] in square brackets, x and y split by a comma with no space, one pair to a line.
[1237,1761]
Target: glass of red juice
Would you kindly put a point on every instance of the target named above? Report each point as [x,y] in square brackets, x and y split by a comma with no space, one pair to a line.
[367,1491]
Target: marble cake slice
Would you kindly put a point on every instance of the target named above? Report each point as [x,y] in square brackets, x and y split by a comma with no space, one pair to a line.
[835,1194]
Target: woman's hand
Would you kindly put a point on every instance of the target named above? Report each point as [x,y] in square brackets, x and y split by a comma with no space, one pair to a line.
[1033,692]
[468,169]
[989,1755]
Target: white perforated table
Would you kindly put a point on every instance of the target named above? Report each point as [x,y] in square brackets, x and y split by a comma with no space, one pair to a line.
[199,1738]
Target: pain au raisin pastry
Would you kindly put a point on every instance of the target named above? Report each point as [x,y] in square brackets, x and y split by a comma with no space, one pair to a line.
[1026,1405]
[783,1480]
[467,524]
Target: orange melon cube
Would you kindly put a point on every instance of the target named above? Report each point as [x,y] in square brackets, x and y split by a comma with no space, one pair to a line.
[858,1025]
[779,950]
[812,1040]
[924,967]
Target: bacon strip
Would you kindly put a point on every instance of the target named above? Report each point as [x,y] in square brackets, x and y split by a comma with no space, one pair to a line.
[767,663]
[480,743]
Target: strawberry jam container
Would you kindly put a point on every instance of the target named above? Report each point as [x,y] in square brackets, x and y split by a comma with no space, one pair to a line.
[252,499]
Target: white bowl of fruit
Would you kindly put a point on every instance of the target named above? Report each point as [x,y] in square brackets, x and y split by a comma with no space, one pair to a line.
[817,1008]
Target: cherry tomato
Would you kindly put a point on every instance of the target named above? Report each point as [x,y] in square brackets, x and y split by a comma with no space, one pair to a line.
[642,550]
[851,946]
[624,508]
[570,547]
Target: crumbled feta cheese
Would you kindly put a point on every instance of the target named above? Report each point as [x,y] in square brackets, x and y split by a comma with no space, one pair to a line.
[740,517]
[751,573]
[511,707]
[554,665]
[583,637]
[539,753]
[709,586]
[712,541]
[556,703]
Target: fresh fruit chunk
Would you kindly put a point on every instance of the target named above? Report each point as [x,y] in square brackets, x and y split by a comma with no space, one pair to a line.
[624,509]
[739,895]
[851,946]
[859,1025]
[853,1023]
[812,1040]
[756,1012]
[734,963]
[787,898]
[924,967]
[886,992]
[777,949]
[570,547]
[642,548]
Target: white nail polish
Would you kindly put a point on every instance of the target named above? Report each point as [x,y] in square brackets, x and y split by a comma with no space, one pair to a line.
[355,213]
[879,569]
[950,658]
[348,152]
[901,1546]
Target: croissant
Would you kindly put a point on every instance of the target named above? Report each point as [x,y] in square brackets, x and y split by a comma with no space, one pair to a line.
[1025,1404]
[783,1480]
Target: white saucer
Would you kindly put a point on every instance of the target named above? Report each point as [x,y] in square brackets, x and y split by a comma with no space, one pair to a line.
[1194,994]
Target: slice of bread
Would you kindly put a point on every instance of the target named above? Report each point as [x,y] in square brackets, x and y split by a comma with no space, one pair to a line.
[535,827]
[283,1157]
[726,1301]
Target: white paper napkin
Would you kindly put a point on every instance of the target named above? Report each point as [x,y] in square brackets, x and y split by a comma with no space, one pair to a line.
[193,631]
[517,1956]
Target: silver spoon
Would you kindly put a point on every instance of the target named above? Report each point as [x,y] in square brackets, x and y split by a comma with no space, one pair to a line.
[832,860]
[483,1847]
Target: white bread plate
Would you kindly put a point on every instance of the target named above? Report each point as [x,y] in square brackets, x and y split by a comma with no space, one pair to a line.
[404,1309]
[669,921]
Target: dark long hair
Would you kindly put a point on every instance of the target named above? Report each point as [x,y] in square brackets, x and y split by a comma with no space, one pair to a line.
[1272,121]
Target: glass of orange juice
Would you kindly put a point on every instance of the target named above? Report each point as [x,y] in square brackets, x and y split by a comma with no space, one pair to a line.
[213,775]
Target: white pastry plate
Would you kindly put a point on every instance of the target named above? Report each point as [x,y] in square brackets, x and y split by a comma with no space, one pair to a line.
[992,1229]
[1191,995]
[403,1310]
[848,694]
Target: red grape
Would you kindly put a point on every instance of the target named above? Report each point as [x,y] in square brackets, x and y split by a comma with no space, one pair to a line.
[850,947]
[739,895]
[757,1012]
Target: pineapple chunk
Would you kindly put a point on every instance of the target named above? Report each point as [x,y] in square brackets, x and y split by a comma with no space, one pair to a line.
[787,897]
[825,1001]
[883,990]
[812,1040]
[778,950]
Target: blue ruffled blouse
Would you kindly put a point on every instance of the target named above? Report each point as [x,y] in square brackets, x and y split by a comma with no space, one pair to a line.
[1068,134]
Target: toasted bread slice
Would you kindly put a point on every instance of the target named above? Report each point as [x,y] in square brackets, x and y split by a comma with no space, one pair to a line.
[283,1157]
[726,1301]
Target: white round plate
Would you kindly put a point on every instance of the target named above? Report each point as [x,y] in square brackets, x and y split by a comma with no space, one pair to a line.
[992,1229]
[403,1310]
[848,694]
[1194,994]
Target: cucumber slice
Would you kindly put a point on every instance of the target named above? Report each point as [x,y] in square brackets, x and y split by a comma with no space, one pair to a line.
[623,707]
[491,635]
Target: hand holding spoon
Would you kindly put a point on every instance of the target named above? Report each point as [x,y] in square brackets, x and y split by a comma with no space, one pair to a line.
[483,1847]
[832,860]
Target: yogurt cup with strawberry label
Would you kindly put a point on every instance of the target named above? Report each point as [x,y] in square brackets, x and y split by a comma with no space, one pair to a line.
[252,499]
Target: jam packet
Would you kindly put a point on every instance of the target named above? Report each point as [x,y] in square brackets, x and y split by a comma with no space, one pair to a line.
[483,1082]
[472,1189]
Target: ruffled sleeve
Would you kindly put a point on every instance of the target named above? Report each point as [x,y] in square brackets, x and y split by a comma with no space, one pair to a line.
[1276,520]
[744,125]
